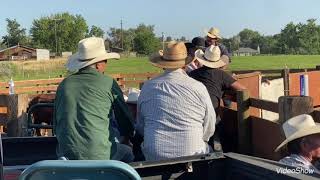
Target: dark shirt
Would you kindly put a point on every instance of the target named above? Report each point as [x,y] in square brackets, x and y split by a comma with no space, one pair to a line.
[224,51]
[215,80]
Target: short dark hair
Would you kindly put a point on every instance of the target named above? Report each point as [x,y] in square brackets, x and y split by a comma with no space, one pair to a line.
[294,147]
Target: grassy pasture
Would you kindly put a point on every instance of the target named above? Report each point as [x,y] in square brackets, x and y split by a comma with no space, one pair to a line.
[55,68]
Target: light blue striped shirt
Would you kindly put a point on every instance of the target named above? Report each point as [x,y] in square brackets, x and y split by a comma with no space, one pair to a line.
[175,115]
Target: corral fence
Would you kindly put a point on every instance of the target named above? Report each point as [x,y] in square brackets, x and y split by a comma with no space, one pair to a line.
[245,130]
[50,85]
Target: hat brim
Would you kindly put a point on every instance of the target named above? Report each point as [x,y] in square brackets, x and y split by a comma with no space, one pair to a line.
[214,36]
[224,60]
[157,60]
[299,134]
[74,63]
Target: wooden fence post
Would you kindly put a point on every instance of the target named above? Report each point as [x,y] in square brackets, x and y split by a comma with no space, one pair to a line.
[285,75]
[244,127]
[17,114]
[318,67]
[290,106]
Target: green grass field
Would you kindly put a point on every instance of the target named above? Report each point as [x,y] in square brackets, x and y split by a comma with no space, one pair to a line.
[54,68]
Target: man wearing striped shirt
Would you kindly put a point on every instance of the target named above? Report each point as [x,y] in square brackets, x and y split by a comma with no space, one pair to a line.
[175,113]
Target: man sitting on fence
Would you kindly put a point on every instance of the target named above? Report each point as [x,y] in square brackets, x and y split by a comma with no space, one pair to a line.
[215,79]
[84,104]
[303,142]
[175,113]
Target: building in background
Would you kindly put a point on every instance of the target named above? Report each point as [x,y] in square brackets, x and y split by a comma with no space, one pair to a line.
[17,52]
[20,52]
[246,52]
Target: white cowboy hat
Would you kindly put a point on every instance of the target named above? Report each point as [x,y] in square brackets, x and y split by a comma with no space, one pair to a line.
[90,50]
[133,95]
[214,33]
[298,127]
[174,55]
[211,57]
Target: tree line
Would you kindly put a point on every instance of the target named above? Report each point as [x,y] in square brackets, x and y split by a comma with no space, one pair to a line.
[62,32]
[300,38]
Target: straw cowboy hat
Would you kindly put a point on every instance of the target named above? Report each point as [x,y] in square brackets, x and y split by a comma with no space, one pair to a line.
[211,57]
[174,55]
[133,95]
[214,33]
[298,127]
[90,50]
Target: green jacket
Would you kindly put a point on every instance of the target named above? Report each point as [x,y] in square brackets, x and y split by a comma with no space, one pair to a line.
[82,113]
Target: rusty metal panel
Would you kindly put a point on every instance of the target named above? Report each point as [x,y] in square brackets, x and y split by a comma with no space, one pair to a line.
[314,85]
[252,82]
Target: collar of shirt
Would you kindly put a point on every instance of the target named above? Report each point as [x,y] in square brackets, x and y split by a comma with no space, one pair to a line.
[180,71]
[297,160]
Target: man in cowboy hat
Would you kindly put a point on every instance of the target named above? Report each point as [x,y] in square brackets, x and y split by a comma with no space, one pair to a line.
[196,43]
[302,141]
[84,104]
[215,79]
[175,113]
[213,38]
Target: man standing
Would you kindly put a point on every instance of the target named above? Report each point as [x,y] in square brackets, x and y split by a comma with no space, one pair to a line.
[84,103]
[175,113]
[213,38]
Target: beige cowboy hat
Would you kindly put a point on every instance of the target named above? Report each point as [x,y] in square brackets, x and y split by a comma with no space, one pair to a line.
[298,127]
[211,57]
[90,50]
[174,55]
[214,33]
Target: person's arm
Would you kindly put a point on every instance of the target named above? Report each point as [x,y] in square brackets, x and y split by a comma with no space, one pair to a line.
[140,120]
[231,82]
[209,121]
[121,111]
[238,86]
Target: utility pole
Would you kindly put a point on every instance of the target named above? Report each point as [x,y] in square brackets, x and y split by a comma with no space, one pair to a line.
[55,34]
[121,35]
[162,40]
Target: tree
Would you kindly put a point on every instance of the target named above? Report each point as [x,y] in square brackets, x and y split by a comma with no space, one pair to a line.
[68,29]
[96,32]
[114,38]
[309,37]
[16,34]
[288,39]
[169,38]
[249,38]
[183,39]
[145,41]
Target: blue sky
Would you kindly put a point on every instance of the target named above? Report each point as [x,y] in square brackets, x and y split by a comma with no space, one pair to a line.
[173,17]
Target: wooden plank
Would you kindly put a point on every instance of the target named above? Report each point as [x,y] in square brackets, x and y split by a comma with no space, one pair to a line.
[37,88]
[266,136]
[140,75]
[116,76]
[285,74]
[38,82]
[244,129]
[264,104]
[290,106]
[243,76]
[126,82]
[3,110]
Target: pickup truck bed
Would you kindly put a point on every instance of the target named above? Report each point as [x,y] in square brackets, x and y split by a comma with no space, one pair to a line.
[21,152]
